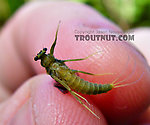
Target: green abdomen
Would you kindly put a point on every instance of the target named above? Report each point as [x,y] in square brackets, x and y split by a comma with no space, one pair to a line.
[85,87]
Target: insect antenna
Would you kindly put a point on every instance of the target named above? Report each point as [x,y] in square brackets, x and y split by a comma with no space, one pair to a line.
[54,43]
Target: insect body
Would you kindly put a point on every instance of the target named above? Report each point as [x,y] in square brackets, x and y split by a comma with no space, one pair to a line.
[67,77]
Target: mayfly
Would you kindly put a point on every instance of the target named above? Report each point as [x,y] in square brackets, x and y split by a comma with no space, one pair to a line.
[68,78]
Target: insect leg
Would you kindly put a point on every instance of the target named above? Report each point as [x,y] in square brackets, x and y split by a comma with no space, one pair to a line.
[61,82]
[80,58]
[80,97]
[78,71]
[68,88]
[85,106]
[73,93]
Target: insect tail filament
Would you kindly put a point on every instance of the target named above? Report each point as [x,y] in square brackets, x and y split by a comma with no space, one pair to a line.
[134,69]
[129,83]
[117,84]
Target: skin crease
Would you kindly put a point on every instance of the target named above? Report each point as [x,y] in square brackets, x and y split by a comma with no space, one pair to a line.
[36,101]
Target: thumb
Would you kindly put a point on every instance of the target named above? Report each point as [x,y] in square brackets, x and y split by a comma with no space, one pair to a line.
[38,102]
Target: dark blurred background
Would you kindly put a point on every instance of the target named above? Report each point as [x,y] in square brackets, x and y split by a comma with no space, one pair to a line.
[126,13]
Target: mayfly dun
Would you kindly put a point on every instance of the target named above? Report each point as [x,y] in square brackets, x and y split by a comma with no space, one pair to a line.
[68,78]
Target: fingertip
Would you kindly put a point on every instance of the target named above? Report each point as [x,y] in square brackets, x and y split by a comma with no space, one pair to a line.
[144,118]
[39,102]
[123,104]
[141,40]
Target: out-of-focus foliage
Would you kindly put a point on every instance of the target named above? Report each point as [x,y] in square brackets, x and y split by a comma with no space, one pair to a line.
[126,13]
[8,7]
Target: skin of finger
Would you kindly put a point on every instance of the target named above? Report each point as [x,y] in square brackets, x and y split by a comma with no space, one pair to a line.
[143,119]
[9,107]
[42,104]
[4,93]
[141,38]
[120,103]
[13,69]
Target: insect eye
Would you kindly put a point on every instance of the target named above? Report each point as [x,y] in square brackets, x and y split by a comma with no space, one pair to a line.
[45,49]
[36,58]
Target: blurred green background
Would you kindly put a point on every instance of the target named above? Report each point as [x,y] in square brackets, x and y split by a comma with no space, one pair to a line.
[126,13]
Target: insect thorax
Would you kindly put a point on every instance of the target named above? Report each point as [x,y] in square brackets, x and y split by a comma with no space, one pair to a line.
[47,60]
